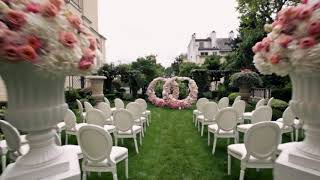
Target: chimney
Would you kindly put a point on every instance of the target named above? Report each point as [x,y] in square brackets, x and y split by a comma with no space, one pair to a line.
[213,37]
[231,35]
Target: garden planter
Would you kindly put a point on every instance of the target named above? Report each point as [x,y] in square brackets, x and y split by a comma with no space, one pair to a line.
[97,87]
[244,92]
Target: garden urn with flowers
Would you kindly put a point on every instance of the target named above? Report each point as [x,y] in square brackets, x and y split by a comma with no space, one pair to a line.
[40,44]
[292,48]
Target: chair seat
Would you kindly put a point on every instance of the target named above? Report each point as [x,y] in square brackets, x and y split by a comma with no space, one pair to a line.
[196,111]
[147,112]
[214,128]
[77,127]
[283,127]
[142,119]
[286,146]
[117,154]
[244,127]
[76,149]
[247,115]
[239,151]
[109,128]
[61,126]
[296,123]
[136,129]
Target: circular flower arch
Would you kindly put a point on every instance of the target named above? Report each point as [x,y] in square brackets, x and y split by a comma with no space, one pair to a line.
[170,93]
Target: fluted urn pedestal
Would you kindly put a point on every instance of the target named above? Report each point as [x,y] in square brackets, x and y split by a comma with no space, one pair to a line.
[36,103]
[302,160]
[97,87]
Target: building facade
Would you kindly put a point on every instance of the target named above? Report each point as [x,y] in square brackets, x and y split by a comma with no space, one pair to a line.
[198,49]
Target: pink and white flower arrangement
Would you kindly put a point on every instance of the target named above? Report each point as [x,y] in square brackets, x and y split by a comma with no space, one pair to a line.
[293,42]
[44,33]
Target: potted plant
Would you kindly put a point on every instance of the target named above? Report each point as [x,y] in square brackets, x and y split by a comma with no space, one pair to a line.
[245,80]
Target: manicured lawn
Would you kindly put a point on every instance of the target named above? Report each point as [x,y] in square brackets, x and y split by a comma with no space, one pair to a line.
[173,149]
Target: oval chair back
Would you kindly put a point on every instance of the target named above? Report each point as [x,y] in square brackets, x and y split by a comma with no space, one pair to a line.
[11,135]
[80,107]
[200,103]
[288,117]
[87,106]
[238,98]
[262,140]
[270,102]
[105,108]
[123,120]
[223,103]
[263,113]
[239,107]
[227,119]
[106,100]
[210,110]
[143,103]
[70,120]
[135,109]
[261,102]
[95,144]
[96,117]
[118,103]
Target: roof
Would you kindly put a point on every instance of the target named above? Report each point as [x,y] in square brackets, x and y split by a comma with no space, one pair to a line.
[208,49]
[208,39]
[224,44]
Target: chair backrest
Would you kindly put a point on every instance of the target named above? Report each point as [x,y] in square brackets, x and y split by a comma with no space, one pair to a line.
[262,140]
[105,108]
[87,106]
[106,100]
[288,117]
[80,107]
[270,102]
[238,98]
[118,103]
[261,102]
[200,103]
[240,107]
[210,110]
[143,103]
[96,117]
[227,119]
[123,120]
[263,113]
[223,103]
[135,109]
[95,144]
[70,119]
[11,135]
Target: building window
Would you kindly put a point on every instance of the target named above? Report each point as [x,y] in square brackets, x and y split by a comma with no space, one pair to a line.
[77,4]
[201,45]
[204,54]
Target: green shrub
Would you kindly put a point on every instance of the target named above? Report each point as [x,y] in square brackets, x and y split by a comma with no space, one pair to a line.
[232,97]
[71,96]
[127,97]
[245,78]
[159,89]
[208,95]
[183,90]
[279,104]
[116,84]
[110,96]
[283,94]
[222,91]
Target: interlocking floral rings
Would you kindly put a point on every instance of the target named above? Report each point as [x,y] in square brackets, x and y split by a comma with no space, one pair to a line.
[170,93]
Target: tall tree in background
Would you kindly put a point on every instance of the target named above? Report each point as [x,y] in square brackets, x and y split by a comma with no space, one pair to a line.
[176,64]
[185,68]
[110,72]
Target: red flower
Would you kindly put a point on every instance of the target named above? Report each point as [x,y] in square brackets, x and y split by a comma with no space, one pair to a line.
[305,13]
[314,28]
[68,39]
[307,42]
[16,18]
[275,59]
[49,10]
[284,41]
[11,53]
[34,42]
[28,53]
[33,7]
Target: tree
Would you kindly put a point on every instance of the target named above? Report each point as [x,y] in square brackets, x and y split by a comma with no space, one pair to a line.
[186,68]
[212,62]
[177,62]
[110,72]
[123,72]
[135,82]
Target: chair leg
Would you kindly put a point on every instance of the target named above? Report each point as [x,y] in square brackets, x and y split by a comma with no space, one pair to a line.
[214,144]
[3,162]
[116,141]
[126,168]
[236,139]
[228,141]
[145,127]
[242,172]
[136,144]
[198,126]
[297,135]
[114,174]
[142,131]
[66,140]
[84,175]
[122,141]
[208,138]
[195,122]
[292,136]
[229,164]
[202,127]
[140,138]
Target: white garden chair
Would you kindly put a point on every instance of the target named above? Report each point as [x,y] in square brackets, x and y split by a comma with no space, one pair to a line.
[81,111]
[97,117]
[286,123]
[200,103]
[263,113]
[270,102]
[72,127]
[15,144]
[106,100]
[105,108]
[238,98]
[209,112]
[99,153]
[145,112]
[239,106]
[125,128]
[119,104]
[223,103]
[248,115]
[259,149]
[225,127]
[136,111]
[87,106]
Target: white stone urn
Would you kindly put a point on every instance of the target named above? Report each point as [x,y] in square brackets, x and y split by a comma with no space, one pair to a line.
[36,103]
[97,87]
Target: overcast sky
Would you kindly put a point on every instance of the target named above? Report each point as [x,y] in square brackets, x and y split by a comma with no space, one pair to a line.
[136,28]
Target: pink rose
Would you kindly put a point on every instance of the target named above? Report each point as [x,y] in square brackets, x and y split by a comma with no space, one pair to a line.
[285,41]
[49,10]
[84,64]
[11,53]
[258,47]
[316,6]
[74,21]
[314,28]
[68,39]
[304,1]
[307,42]
[275,59]
[57,3]
[28,53]
[93,43]
[89,54]
[305,13]
[16,18]
[34,42]
[33,7]
[3,25]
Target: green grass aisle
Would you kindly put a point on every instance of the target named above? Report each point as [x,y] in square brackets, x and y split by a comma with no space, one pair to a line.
[173,149]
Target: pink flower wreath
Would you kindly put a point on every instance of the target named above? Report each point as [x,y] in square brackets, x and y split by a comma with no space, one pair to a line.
[170,93]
